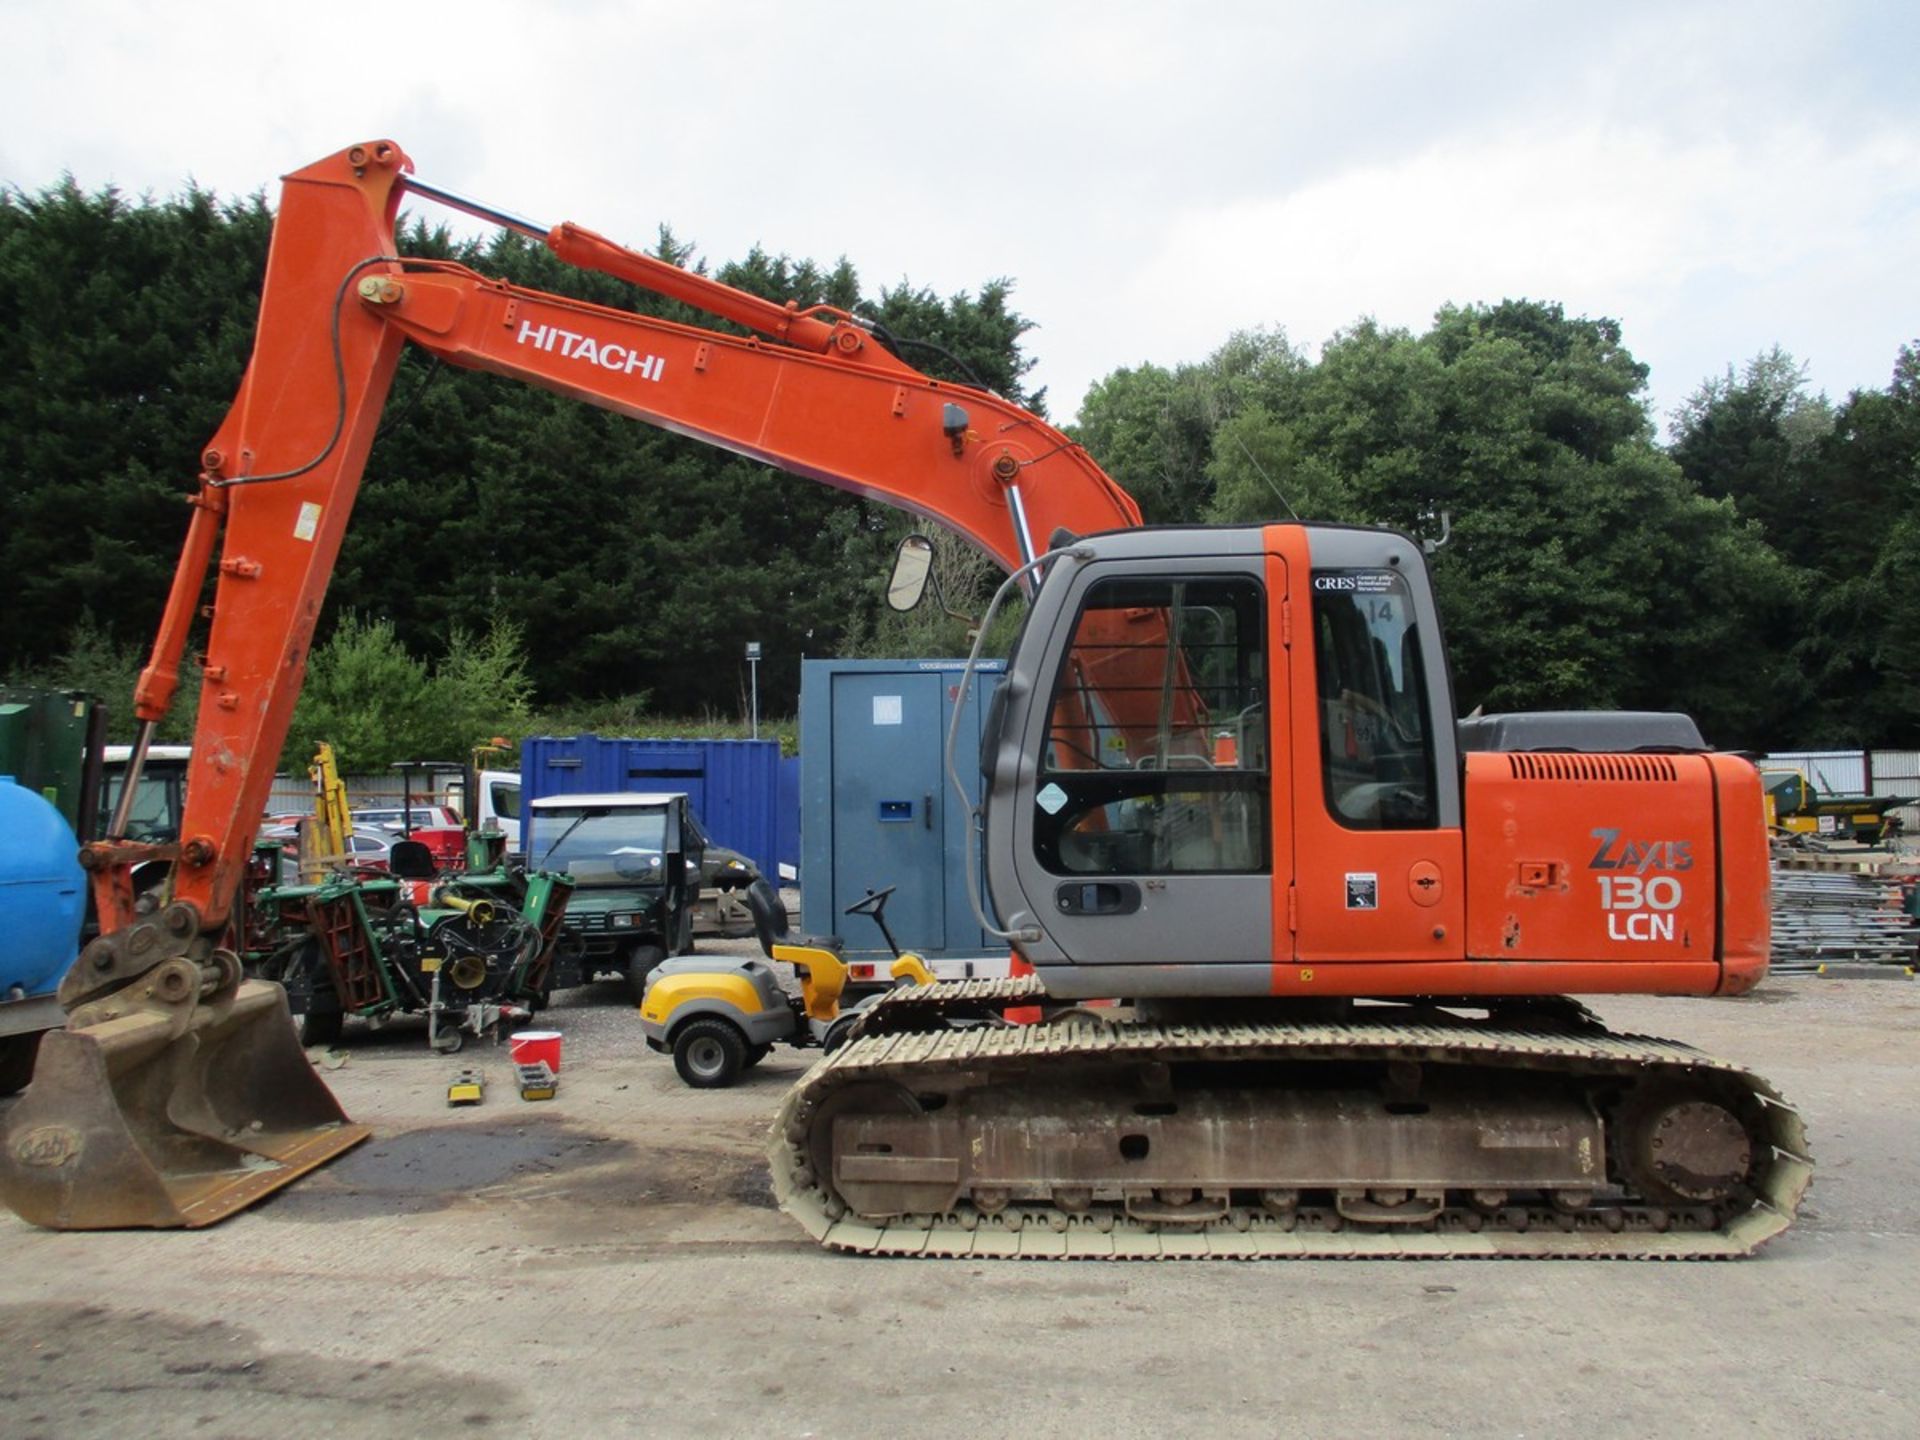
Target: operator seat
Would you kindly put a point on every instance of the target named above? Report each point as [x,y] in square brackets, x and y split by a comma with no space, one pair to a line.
[770,922]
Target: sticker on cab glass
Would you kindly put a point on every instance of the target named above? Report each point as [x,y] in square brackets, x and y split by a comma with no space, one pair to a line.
[1051,799]
[1357,582]
[1363,892]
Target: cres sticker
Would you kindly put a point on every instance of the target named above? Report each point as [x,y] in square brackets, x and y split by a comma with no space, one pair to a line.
[1357,582]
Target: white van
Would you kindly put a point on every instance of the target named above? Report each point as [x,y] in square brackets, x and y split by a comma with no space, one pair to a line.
[499,805]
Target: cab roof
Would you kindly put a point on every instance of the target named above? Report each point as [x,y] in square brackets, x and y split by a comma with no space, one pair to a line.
[121,754]
[621,800]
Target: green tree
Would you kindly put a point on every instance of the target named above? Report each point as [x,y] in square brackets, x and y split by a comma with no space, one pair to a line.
[123,330]
[1159,432]
[1749,438]
[1862,484]
[109,669]
[366,695]
[1581,569]
[480,688]
[633,561]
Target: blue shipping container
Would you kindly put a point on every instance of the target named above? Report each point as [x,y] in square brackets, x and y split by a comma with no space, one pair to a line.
[789,814]
[732,785]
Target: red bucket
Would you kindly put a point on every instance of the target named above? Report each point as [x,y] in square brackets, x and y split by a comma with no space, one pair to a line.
[530,1047]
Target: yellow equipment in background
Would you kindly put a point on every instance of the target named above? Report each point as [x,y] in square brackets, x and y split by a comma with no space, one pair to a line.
[720,1018]
[324,844]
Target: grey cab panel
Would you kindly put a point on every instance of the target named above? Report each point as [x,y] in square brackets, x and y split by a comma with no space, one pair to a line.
[1129,816]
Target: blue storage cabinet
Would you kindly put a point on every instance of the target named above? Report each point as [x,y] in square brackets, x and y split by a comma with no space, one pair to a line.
[876,807]
[732,785]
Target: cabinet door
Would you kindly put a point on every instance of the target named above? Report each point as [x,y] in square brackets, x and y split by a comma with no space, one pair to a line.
[889,806]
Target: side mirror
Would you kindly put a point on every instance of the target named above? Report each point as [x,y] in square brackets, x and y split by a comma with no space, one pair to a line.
[912,564]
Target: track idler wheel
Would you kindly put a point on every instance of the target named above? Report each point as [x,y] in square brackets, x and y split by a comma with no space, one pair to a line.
[869,1176]
[1683,1145]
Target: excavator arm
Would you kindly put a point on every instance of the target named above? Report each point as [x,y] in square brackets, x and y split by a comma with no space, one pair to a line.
[176,1094]
[812,392]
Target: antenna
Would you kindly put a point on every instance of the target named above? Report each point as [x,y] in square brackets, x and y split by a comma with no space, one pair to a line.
[1254,461]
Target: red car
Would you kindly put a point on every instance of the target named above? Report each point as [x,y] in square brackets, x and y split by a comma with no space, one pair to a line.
[435,826]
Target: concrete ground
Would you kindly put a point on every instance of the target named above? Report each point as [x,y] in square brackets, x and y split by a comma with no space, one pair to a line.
[611,1263]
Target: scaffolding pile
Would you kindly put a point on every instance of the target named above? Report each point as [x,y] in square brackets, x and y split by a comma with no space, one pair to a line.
[1822,918]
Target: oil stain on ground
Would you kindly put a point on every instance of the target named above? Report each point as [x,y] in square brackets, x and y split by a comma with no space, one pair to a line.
[69,1369]
[424,1170]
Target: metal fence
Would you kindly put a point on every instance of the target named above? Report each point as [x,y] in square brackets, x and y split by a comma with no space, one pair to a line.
[293,795]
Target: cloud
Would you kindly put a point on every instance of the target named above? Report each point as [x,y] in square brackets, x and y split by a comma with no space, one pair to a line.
[1718,176]
[1625,222]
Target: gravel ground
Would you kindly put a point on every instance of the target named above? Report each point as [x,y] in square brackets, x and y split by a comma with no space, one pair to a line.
[611,1263]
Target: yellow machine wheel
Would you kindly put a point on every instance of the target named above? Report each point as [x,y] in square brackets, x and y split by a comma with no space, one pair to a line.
[709,1052]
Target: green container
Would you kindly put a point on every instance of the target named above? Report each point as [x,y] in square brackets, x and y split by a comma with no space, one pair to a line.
[43,743]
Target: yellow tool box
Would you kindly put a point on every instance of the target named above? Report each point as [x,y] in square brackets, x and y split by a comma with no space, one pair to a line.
[537,1081]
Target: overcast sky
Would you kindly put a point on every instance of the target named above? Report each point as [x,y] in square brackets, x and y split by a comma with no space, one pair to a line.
[1719,177]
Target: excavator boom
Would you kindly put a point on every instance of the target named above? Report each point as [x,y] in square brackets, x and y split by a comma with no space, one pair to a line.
[175,1095]
[821,398]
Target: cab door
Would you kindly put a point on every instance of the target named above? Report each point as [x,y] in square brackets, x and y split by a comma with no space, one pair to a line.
[1147,833]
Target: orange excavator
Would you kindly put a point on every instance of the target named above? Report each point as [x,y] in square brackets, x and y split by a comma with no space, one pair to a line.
[1224,784]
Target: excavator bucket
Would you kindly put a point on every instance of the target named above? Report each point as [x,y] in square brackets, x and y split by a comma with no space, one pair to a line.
[142,1121]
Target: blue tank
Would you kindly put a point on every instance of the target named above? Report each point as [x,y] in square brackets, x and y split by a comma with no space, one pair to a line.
[43,893]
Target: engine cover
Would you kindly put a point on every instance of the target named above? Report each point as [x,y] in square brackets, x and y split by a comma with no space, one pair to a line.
[1628,860]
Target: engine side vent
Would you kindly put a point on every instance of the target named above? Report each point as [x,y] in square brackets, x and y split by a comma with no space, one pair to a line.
[1635,769]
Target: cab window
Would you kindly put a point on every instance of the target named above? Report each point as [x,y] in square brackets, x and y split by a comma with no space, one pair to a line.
[1376,740]
[1156,747]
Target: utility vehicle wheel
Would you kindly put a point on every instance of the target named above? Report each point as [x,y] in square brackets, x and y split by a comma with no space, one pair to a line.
[755,1054]
[709,1053]
[323,1022]
[640,964]
[448,1040]
[839,1031]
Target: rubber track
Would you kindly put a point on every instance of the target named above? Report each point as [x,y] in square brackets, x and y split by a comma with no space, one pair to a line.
[1050,1234]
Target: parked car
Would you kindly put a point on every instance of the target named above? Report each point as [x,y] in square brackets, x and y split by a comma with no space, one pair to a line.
[435,826]
[369,848]
[425,817]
